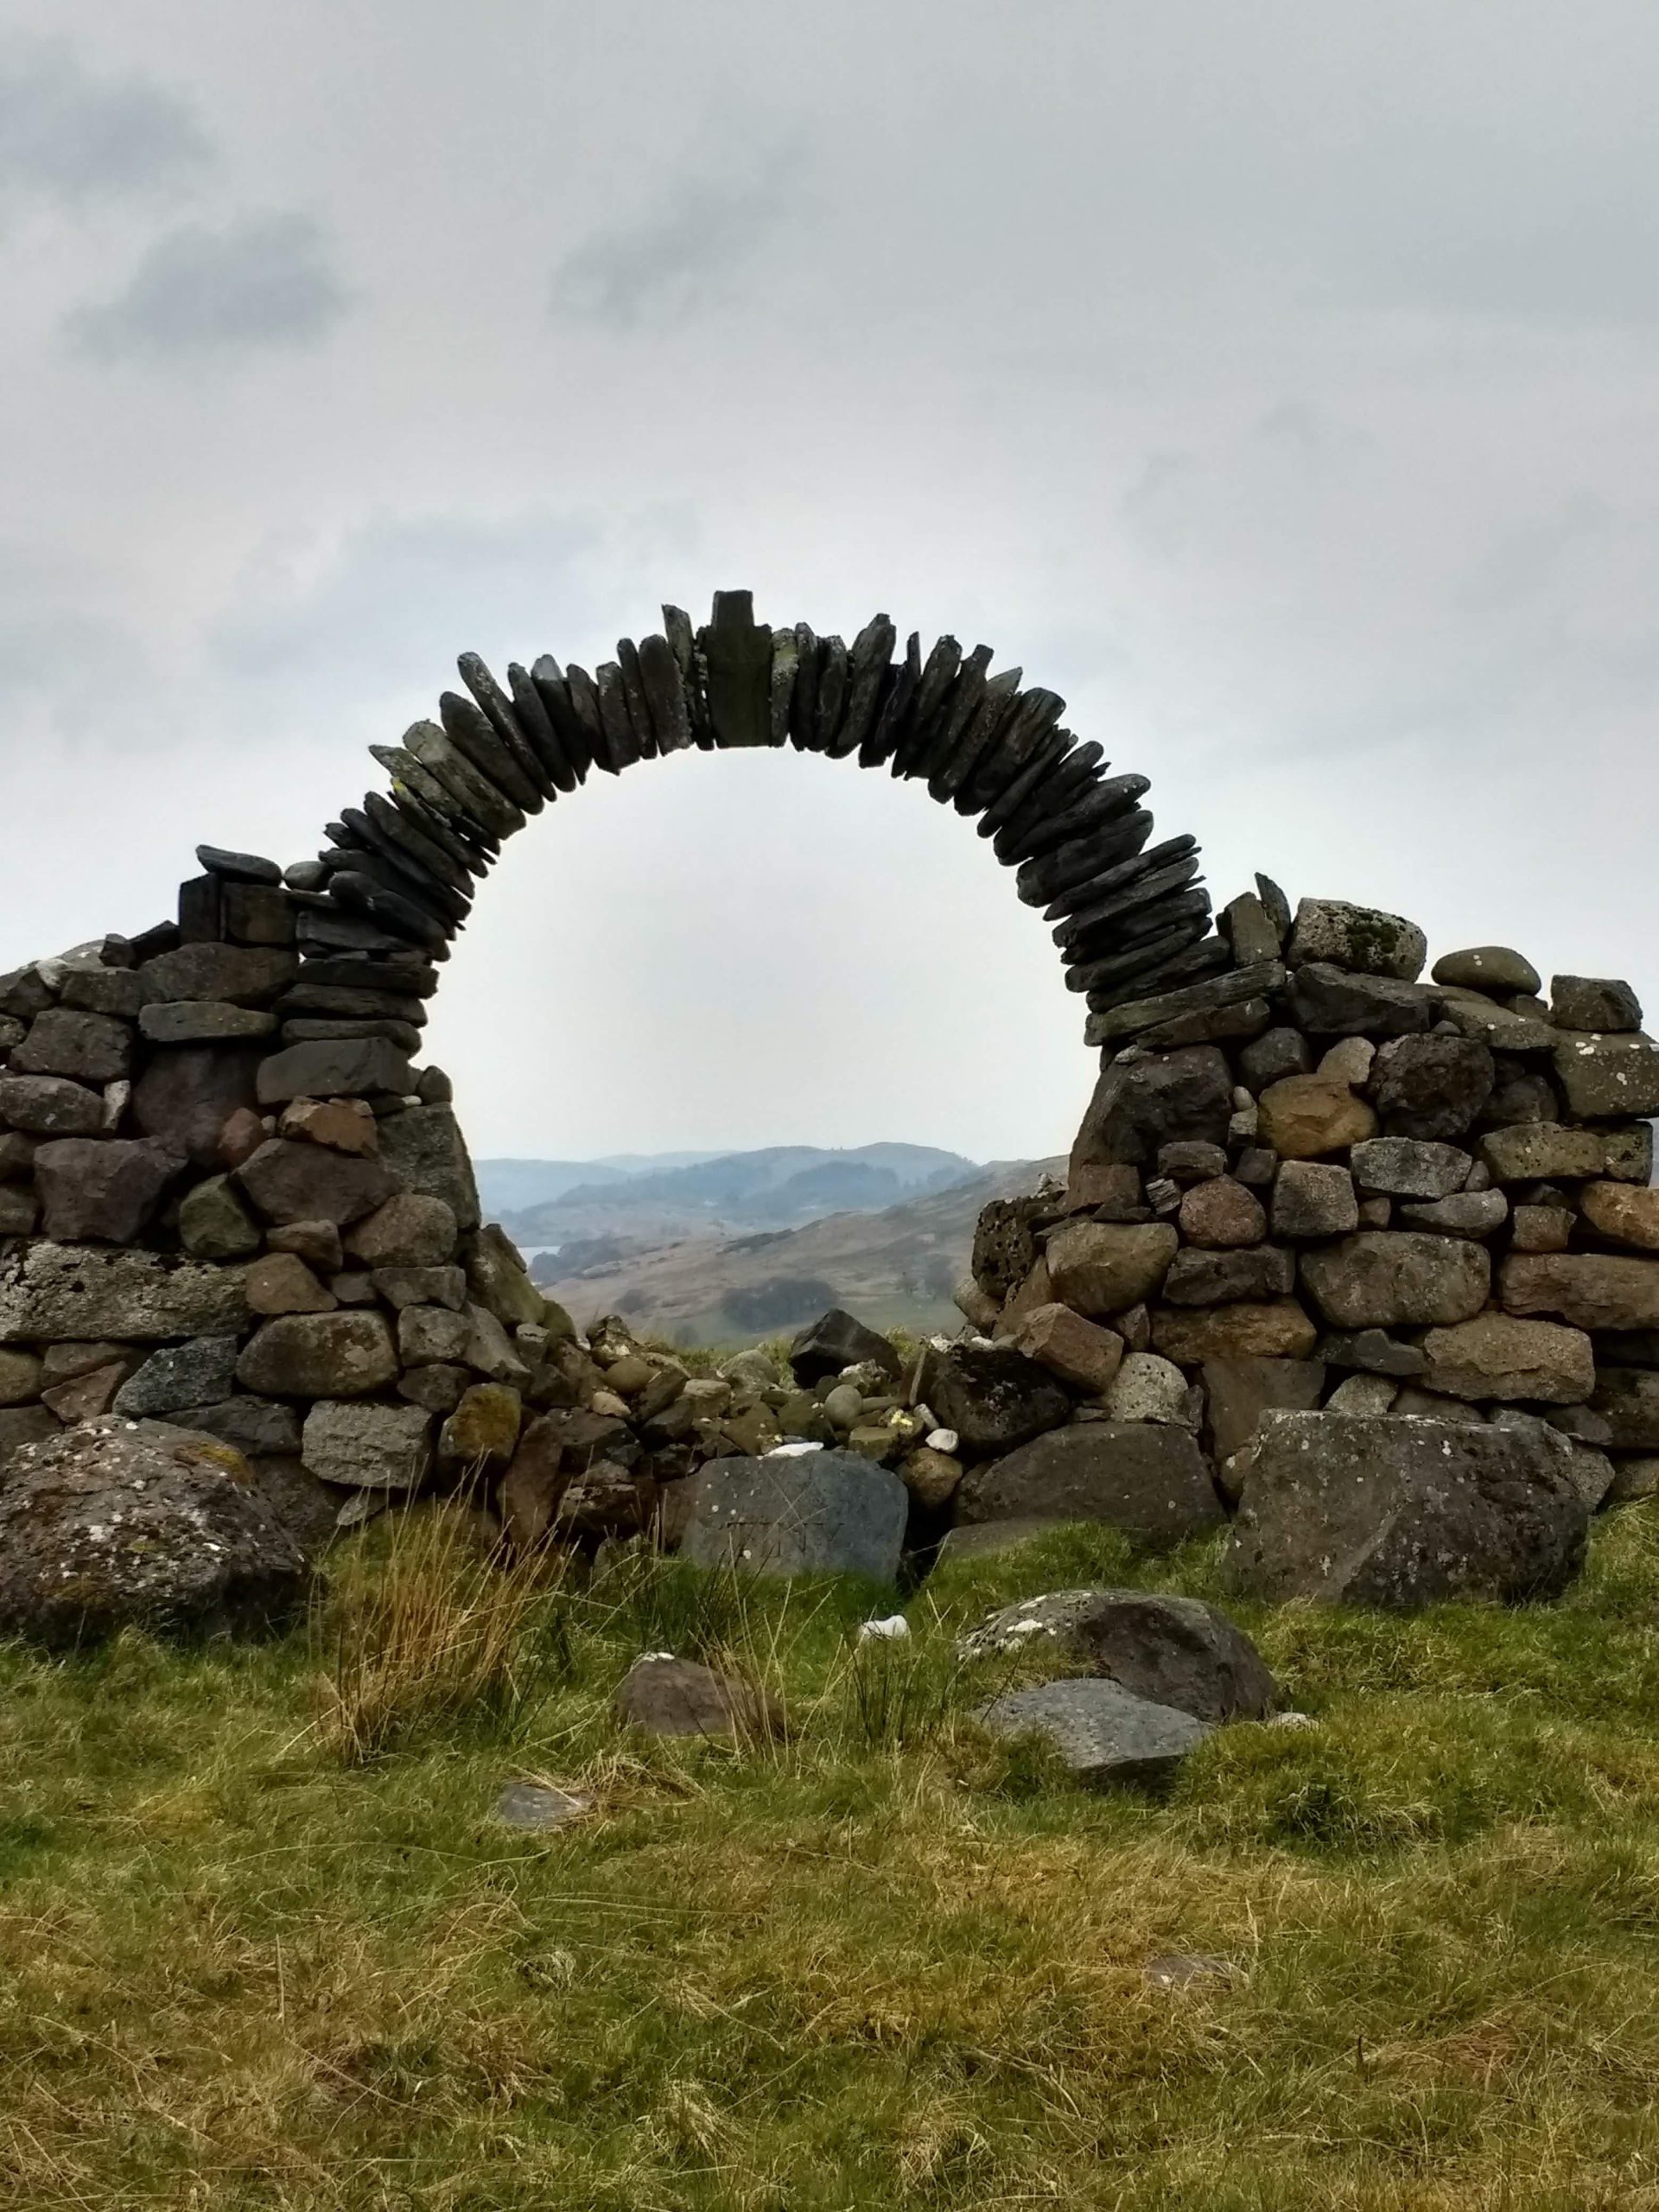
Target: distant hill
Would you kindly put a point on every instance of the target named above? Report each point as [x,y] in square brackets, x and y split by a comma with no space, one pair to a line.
[509,1185]
[893,1267]
[781,1186]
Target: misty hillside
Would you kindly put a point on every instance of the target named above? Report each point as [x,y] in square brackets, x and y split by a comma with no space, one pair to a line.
[894,1267]
[781,1186]
[507,1186]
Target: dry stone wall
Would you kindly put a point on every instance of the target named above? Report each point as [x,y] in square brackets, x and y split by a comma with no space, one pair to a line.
[231,1200]
[1318,1181]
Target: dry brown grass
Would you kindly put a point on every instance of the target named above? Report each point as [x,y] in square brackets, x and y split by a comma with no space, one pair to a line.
[429,1627]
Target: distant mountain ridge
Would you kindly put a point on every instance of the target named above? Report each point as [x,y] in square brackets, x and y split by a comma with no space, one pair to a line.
[508,1186]
[779,1186]
[896,1267]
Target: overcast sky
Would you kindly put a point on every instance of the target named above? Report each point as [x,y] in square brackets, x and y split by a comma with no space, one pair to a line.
[1276,382]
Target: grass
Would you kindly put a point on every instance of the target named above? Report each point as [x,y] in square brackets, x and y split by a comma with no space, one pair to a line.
[262,1947]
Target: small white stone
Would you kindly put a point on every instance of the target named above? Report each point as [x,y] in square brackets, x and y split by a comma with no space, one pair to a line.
[894,1628]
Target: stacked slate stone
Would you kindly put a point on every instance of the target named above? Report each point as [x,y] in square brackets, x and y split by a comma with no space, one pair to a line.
[228,1201]
[396,879]
[1314,1181]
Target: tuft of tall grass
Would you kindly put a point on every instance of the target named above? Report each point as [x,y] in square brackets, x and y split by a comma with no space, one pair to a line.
[428,1628]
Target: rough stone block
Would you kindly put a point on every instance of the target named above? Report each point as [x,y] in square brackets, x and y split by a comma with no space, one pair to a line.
[50,1293]
[1397,1278]
[1141,1476]
[1379,1511]
[350,1067]
[818,1512]
[1360,939]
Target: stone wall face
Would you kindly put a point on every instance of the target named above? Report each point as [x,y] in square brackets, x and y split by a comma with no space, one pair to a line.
[1317,1181]
[230,1198]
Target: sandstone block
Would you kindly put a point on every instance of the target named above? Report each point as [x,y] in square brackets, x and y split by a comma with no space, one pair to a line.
[343,1354]
[1540,1229]
[1077,1350]
[1397,1278]
[1591,1290]
[316,1243]
[1306,1117]
[343,1124]
[1220,1214]
[1199,1278]
[1237,1392]
[1622,1213]
[1497,1357]
[1541,1152]
[1099,1267]
[281,1282]
[1278,1329]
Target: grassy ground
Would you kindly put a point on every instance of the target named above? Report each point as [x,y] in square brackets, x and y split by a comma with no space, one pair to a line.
[261,1945]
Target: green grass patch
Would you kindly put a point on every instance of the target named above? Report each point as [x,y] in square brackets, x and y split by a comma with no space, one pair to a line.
[252,1956]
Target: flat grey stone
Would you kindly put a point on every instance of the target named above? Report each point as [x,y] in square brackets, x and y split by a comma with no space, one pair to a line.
[817,1512]
[539,1809]
[179,1377]
[1171,1650]
[1101,1732]
[54,1293]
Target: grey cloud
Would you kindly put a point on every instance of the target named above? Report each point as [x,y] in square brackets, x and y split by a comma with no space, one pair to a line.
[682,257]
[263,282]
[399,598]
[69,136]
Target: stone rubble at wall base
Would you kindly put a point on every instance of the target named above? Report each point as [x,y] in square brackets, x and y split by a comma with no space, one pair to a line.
[229,1202]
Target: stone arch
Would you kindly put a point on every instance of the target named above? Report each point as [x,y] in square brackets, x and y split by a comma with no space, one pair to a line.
[397,880]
